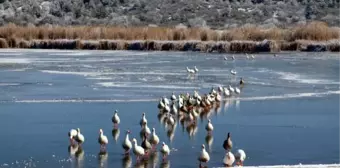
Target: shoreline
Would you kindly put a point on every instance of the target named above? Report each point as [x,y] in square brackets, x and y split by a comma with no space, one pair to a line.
[237,46]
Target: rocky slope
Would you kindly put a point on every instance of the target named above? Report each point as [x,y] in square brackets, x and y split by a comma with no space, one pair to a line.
[192,13]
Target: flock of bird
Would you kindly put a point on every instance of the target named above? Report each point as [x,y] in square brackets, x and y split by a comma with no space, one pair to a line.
[183,108]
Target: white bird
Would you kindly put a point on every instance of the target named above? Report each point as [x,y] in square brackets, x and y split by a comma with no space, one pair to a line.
[237,90]
[71,134]
[204,155]
[190,70]
[229,159]
[165,150]
[240,156]
[167,108]
[252,56]
[166,101]
[209,127]
[173,97]
[220,89]
[247,56]
[115,118]
[143,121]
[174,109]
[154,138]
[231,89]
[127,143]
[225,58]
[137,150]
[102,139]
[161,104]
[218,97]
[226,92]
[79,137]
[196,70]
[146,130]
[233,57]
[233,72]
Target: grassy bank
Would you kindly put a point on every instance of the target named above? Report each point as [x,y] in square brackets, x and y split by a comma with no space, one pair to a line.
[314,36]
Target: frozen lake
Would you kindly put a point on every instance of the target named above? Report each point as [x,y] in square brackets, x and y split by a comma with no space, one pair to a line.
[287,113]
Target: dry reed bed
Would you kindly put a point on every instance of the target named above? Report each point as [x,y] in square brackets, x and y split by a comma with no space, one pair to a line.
[310,37]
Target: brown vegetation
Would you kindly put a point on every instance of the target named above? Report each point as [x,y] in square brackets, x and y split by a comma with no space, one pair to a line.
[243,39]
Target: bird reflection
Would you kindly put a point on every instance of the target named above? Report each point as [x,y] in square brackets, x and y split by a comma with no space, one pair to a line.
[238,104]
[165,164]
[171,133]
[77,153]
[161,117]
[141,164]
[192,130]
[102,159]
[115,134]
[80,157]
[153,161]
[209,139]
[127,161]
[72,149]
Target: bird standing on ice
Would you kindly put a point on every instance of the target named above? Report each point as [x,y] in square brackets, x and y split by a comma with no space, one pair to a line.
[204,156]
[102,140]
[154,140]
[79,137]
[229,159]
[165,150]
[240,156]
[228,144]
[143,121]
[196,70]
[173,96]
[209,127]
[115,119]
[71,134]
[137,150]
[191,71]
[127,143]
[233,72]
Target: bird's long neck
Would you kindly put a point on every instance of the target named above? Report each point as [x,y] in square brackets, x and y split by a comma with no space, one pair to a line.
[127,136]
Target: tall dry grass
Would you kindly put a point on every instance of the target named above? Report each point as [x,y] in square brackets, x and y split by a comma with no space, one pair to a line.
[316,31]
[242,39]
